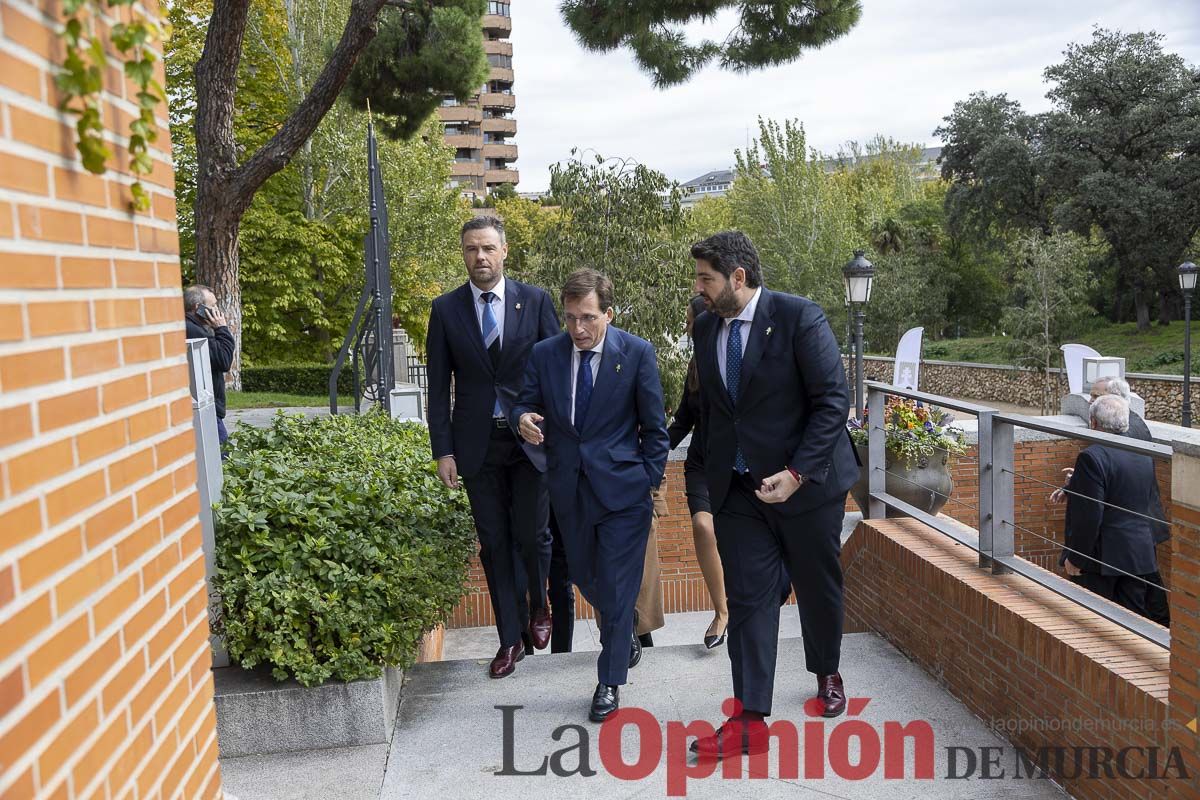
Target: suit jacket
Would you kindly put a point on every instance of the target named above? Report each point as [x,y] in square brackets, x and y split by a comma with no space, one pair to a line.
[1116,537]
[455,349]
[221,349]
[1140,431]
[792,406]
[622,448]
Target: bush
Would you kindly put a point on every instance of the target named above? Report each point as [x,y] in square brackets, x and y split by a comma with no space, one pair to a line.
[304,379]
[337,546]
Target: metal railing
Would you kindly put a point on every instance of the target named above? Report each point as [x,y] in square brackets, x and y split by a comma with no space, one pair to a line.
[996,521]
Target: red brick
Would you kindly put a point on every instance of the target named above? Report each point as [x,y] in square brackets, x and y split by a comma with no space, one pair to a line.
[124,392]
[26,271]
[21,76]
[136,349]
[116,601]
[16,424]
[139,624]
[175,448]
[117,313]
[30,727]
[50,225]
[84,582]
[12,691]
[69,640]
[131,469]
[31,34]
[12,323]
[80,187]
[22,174]
[109,522]
[8,590]
[169,379]
[147,423]
[20,523]
[38,466]
[88,359]
[24,626]
[139,274]
[86,273]
[67,743]
[50,319]
[23,370]
[75,497]
[68,409]
[101,441]
[163,309]
[169,275]
[108,232]
[56,554]
[92,762]
[157,240]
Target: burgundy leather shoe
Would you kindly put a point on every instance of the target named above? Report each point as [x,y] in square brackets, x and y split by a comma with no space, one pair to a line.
[539,628]
[831,694]
[735,737]
[506,660]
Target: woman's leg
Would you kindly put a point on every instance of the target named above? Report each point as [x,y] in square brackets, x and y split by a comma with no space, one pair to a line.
[710,566]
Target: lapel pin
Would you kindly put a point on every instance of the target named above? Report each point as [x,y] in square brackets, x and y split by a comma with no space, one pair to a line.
[768,331]
[618,367]
[517,306]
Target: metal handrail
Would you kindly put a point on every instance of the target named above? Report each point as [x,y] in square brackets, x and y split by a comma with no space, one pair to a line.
[996,524]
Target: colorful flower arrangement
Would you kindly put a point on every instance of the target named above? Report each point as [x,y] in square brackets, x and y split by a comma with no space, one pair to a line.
[912,431]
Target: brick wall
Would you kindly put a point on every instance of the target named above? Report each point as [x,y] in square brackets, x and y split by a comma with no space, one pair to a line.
[1185,613]
[1041,669]
[105,687]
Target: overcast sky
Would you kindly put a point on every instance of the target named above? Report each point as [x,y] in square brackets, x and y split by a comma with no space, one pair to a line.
[897,73]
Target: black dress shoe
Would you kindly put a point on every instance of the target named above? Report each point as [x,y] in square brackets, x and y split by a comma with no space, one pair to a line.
[711,641]
[646,639]
[605,701]
[635,654]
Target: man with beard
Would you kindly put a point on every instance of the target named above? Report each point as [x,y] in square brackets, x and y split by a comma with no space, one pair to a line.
[778,463]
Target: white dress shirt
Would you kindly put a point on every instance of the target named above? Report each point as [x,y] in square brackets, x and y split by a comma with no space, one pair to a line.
[575,351]
[747,318]
[497,306]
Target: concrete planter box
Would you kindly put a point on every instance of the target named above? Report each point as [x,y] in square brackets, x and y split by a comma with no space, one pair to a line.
[257,714]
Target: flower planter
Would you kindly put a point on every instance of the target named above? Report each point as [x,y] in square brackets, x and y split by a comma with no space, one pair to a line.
[926,483]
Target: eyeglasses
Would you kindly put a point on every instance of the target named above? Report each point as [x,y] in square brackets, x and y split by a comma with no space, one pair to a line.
[587,320]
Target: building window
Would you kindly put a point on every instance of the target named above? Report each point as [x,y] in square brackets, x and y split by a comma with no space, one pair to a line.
[500,60]
[499,7]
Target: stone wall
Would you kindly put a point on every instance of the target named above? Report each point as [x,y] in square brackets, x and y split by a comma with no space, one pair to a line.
[1006,384]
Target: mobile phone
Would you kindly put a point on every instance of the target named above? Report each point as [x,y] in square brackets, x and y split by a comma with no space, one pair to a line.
[202,312]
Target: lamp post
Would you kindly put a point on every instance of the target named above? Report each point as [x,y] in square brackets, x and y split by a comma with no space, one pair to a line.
[1187,284]
[858,274]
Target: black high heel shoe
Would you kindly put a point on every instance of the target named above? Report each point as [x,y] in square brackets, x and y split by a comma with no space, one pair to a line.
[711,641]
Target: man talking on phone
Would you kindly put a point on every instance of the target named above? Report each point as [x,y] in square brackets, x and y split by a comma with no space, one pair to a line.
[205,321]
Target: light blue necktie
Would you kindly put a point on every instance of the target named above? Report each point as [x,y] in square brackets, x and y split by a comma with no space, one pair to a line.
[491,339]
[733,374]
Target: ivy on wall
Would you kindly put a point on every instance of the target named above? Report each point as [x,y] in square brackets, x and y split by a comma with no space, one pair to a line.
[81,84]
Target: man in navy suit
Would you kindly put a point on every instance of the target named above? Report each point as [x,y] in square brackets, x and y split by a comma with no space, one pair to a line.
[592,398]
[778,464]
[480,334]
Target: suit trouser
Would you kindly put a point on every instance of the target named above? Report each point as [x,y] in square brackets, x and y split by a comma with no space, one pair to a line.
[562,594]
[1136,595]
[605,553]
[511,510]
[759,549]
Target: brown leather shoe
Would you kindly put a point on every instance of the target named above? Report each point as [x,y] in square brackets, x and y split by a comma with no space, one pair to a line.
[506,660]
[539,628]
[831,694]
[735,737]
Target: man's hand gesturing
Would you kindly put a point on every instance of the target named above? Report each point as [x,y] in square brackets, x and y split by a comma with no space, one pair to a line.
[528,427]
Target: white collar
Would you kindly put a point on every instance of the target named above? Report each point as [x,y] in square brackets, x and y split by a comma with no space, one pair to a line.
[497,290]
[747,314]
[598,348]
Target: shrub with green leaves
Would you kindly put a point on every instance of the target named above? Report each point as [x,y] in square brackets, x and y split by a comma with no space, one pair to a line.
[306,379]
[337,546]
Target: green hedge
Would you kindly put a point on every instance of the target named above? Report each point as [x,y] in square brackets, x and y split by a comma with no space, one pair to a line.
[337,546]
[304,379]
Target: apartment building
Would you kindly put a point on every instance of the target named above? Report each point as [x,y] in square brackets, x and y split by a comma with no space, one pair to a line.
[481,130]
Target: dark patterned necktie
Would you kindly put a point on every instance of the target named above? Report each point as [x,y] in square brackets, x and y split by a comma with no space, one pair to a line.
[583,389]
[733,374]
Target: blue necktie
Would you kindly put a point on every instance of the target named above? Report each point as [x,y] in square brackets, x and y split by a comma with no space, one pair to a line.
[491,339]
[733,374]
[583,389]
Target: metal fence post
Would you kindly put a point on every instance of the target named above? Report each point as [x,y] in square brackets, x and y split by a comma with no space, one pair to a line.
[1003,504]
[986,512]
[876,454]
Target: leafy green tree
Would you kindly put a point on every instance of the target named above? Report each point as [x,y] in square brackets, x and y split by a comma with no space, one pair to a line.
[526,224]
[710,215]
[625,220]
[1119,153]
[767,34]
[1051,282]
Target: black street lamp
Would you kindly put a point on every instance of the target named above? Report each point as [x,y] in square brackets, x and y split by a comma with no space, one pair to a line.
[1187,283]
[858,274]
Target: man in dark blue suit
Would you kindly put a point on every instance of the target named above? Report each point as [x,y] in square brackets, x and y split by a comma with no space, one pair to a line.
[480,335]
[778,463]
[593,399]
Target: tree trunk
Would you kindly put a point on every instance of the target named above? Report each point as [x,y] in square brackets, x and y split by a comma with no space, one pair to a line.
[1164,309]
[224,190]
[1142,308]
